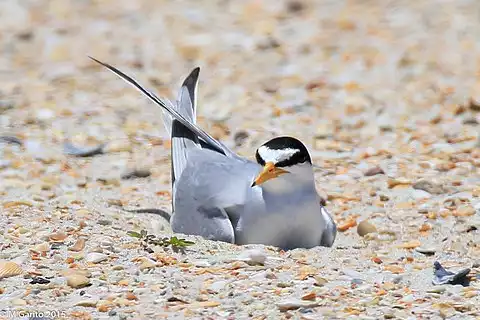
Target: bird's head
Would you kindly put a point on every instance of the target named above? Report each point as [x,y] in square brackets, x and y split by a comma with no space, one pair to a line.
[286,158]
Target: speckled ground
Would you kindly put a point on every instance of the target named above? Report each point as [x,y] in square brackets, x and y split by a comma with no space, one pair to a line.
[385,94]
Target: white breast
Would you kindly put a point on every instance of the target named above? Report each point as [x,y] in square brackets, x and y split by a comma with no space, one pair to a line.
[281,224]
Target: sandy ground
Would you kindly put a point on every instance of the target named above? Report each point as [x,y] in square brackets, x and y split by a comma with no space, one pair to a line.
[386,96]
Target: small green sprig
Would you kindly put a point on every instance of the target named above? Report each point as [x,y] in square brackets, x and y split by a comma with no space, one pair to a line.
[149,239]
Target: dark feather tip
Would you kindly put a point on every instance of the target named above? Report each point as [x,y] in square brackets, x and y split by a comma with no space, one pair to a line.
[443,276]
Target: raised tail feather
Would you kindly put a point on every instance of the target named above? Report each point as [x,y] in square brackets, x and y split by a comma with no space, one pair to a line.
[182,137]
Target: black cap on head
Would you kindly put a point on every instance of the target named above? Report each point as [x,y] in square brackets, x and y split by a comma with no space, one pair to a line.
[283,152]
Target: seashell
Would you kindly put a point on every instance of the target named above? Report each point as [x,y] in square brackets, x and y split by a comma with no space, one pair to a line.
[81,224]
[57,237]
[312,296]
[105,305]
[42,247]
[350,223]
[78,246]
[319,281]
[410,244]
[12,204]
[147,264]
[9,269]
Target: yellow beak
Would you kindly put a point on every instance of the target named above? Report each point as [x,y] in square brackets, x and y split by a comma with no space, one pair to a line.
[269,172]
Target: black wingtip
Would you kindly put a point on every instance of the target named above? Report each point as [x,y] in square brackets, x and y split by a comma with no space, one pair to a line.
[94,59]
[192,78]
[195,71]
[100,62]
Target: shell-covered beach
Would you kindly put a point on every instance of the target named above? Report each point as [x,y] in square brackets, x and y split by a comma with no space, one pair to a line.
[385,95]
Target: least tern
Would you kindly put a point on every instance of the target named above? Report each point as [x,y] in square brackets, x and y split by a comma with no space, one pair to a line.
[220,195]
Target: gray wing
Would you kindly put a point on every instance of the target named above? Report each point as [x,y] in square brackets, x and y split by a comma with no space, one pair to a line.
[330,232]
[210,194]
[167,106]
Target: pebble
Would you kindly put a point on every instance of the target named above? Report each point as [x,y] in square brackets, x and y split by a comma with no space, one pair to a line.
[253,256]
[82,213]
[118,146]
[42,247]
[324,131]
[45,114]
[437,289]
[72,150]
[420,194]
[429,186]
[77,281]
[426,250]
[397,279]
[465,211]
[19,302]
[86,303]
[240,138]
[352,274]
[136,173]
[365,227]
[202,263]
[82,272]
[319,281]
[104,222]
[218,286]
[393,182]
[58,236]
[383,197]
[374,171]
[96,257]
[293,304]
[141,291]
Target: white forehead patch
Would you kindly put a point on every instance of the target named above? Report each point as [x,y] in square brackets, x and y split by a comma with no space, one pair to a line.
[276,155]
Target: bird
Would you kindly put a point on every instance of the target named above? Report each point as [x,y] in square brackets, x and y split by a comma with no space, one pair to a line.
[219,195]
